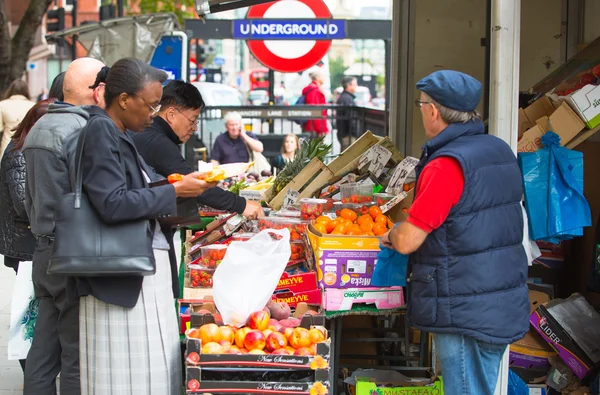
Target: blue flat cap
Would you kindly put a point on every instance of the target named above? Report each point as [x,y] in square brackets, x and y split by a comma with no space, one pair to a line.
[453,89]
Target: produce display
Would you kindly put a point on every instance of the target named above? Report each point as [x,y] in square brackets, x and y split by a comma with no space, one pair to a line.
[312,208]
[212,255]
[213,175]
[269,331]
[297,227]
[383,198]
[371,222]
[356,193]
[201,277]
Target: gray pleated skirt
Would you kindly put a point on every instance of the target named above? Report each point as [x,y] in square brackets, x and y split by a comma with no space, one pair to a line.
[132,351]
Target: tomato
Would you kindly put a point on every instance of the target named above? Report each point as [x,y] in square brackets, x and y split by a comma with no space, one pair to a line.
[374,211]
[173,178]
[348,214]
[379,229]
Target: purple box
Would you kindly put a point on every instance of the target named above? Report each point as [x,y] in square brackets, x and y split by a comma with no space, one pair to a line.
[572,328]
[347,268]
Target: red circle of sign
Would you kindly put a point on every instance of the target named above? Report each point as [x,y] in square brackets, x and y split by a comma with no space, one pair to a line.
[277,63]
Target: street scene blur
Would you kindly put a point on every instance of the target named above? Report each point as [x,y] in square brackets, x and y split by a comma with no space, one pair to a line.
[311,197]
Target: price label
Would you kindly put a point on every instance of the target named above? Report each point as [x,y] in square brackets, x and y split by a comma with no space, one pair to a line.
[401,174]
[376,157]
[290,198]
[389,205]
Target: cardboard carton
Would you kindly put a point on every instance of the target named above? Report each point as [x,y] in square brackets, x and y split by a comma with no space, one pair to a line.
[344,261]
[373,381]
[297,288]
[546,115]
[379,298]
[572,328]
[586,103]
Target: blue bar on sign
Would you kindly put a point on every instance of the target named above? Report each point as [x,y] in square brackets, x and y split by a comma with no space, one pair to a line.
[289,29]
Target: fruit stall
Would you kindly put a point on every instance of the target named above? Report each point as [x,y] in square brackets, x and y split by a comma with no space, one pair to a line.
[296,301]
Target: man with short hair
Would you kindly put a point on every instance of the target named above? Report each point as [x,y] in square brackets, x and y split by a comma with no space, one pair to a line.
[55,347]
[467,268]
[176,122]
[233,146]
[347,130]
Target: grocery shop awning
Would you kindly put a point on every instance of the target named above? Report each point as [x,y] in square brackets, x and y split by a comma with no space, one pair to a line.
[113,39]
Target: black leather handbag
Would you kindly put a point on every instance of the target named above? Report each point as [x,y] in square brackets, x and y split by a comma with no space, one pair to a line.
[86,246]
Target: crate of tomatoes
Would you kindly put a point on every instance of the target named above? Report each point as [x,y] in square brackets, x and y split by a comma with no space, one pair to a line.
[371,222]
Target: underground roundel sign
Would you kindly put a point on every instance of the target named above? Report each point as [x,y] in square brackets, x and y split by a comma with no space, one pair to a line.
[289,35]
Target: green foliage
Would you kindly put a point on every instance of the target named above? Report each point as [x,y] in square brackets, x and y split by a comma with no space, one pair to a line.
[336,71]
[381,80]
[153,7]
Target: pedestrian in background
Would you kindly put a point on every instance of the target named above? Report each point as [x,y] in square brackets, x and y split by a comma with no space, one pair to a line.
[467,270]
[17,243]
[13,108]
[55,347]
[314,94]
[347,128]
[288,152]
[235,144]
[56,89]
[44,95]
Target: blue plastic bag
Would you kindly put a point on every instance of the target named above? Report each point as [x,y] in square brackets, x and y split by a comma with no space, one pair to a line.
[390,270]
[553,185]
[516,385]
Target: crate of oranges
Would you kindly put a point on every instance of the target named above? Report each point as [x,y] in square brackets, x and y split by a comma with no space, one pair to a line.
[371,222]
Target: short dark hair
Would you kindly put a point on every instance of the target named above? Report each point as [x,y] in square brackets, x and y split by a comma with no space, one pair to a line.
[56,90]
[130,75]
[347,81]
[181,94]
[101,77]
[18,87]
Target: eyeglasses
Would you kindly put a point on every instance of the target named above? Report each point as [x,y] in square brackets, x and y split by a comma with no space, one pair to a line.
[420,103]
[154,110]
[193,122]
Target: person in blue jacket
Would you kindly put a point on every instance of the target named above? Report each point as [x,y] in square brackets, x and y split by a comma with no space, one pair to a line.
[467,267]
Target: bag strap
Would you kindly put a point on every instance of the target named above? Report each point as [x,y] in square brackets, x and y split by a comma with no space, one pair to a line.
[78,161]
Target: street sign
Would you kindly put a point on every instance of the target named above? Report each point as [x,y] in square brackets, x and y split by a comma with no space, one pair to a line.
[171,56]
[289,36]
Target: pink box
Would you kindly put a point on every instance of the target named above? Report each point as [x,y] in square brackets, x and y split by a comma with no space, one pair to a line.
[343,299]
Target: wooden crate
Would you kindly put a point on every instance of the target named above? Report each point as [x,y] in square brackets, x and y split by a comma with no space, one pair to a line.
[304,183]
[388,144]
[348,160]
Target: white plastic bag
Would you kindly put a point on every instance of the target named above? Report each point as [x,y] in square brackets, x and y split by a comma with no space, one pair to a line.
[23,314]
[531,248]
[248,275]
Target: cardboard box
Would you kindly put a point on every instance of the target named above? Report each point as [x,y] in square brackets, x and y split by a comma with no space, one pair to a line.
[532,352]
[379,298]
[297,288]
[344,261]
[538,389]
[417,381]
[368,388]
[586,103]
[572,328]
[524,123]
[543,114]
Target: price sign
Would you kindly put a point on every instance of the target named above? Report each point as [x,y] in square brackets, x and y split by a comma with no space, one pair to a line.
[401,174]
[389,205]
[377,157]
[290,198]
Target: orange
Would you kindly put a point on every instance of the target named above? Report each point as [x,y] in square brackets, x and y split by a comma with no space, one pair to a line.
[374,211]
[330,226]
[364,218]
[355,228]
[323,219]
[370,233]
[345,221]
[366,226]
[353,232]
[381,219]
[348,214]
[320,227]
[379,229]
[340,230]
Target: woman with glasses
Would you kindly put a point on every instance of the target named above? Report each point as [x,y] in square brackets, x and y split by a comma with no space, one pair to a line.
[129,338]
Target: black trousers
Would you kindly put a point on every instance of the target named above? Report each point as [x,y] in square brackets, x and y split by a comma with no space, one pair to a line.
[55,346]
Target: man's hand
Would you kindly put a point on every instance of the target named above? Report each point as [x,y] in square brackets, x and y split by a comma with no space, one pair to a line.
[253,210]
[191,186]
[385,240]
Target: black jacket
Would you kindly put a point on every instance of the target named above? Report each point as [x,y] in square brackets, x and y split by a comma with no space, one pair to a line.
[346,121]
[119,193]
[159,146]
[16,239]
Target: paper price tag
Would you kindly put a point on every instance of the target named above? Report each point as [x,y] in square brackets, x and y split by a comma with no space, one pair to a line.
[290,198]
[388,206]
[377,157]
[401,174]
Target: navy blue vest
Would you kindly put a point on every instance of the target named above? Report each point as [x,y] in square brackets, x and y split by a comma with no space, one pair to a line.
[469,276]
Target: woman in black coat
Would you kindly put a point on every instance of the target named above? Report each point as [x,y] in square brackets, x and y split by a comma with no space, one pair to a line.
[129,337]
[16,240]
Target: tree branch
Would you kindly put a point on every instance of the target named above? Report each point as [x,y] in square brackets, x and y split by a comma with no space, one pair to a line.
[23,39]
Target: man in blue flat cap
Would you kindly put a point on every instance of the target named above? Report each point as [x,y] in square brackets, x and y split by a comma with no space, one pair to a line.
[467,268]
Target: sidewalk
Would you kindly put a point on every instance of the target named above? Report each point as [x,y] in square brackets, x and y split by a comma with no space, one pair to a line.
[11,376]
